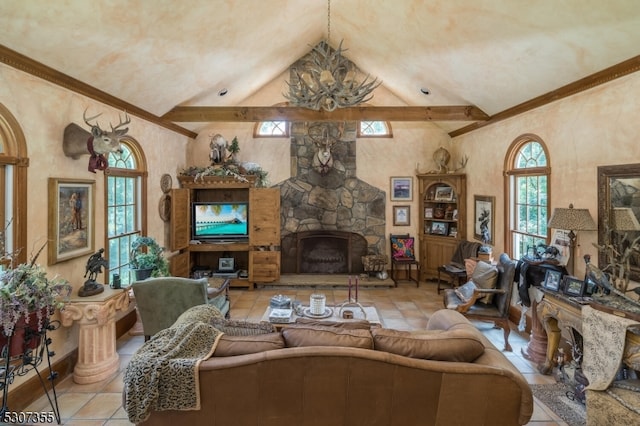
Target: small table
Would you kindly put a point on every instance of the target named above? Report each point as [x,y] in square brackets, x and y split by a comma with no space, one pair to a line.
[458,276]
[370,311]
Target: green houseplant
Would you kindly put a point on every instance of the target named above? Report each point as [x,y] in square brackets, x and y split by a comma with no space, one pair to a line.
[27,298]
[147,258]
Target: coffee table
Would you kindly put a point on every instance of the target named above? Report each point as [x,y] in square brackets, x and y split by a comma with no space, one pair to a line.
[370,314]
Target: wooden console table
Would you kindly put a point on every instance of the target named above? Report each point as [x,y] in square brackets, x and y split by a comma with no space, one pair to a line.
[97,355]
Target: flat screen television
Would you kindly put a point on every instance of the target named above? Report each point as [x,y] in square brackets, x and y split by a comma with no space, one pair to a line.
[220,221]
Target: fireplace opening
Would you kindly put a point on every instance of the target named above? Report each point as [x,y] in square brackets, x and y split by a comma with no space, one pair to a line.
[323,252]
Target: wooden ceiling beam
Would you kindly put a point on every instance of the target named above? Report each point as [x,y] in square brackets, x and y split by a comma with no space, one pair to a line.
[183,114]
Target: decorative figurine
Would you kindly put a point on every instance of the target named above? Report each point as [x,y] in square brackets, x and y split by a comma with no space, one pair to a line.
[95,263]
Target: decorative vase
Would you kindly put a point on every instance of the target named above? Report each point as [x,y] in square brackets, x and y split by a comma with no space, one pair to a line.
[143,274]
[25,335]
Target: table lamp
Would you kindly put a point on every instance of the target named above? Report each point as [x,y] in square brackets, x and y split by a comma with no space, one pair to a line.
[572,220]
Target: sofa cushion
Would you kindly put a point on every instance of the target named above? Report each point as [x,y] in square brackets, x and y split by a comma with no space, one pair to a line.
[229,345]
[351,325]
[485,275]
[241,328]
[437,345]
[326,336]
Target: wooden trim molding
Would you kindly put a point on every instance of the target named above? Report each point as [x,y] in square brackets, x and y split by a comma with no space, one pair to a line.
[608,74]
[28,65]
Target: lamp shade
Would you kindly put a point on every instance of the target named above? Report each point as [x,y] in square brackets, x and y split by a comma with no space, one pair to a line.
[624,219]
[572,219]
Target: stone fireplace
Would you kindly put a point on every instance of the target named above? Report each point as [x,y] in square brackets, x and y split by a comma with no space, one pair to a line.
[328,220]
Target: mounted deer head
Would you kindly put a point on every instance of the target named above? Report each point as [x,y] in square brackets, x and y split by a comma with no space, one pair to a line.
[324,136]
[77,141]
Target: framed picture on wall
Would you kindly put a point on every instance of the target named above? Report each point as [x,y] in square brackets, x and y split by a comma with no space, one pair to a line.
[71,218]
[401,216]
[483,227]
[401,188]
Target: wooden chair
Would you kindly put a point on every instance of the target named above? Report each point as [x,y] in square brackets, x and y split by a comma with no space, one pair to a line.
[403,256]
[160,301]
[455,270]
[498,310]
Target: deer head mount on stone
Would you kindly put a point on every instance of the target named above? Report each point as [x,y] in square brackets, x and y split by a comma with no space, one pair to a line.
[324,136]
[77,141]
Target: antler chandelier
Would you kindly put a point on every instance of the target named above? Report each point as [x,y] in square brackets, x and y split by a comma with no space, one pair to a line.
[327,80]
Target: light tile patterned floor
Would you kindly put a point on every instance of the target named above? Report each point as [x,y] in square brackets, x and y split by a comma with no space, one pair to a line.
[404,308]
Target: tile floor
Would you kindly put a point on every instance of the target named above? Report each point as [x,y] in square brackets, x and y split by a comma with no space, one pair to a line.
[405,307]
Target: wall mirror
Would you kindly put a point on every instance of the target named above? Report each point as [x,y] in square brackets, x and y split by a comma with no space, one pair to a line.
[619,207]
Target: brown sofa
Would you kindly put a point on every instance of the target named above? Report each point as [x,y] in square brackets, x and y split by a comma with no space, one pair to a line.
[323,375]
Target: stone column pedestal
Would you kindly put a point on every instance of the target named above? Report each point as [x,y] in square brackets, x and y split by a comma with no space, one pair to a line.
[97,355]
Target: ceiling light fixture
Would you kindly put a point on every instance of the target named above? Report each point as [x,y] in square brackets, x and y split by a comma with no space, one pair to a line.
[328,80]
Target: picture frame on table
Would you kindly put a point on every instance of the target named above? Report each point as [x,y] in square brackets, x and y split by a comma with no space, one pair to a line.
[71,228]
[439,228]
[401,188]
[444,193]
[574,286]
[401,216]
[428,213]
[453,231]
[552,280]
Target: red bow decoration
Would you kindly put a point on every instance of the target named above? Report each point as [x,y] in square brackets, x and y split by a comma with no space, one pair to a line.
[97,161]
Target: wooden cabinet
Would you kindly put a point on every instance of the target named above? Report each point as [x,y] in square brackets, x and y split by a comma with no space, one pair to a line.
[442,222]
[259,255]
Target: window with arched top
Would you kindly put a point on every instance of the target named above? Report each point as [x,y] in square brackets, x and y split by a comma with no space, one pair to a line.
[271,129]
[527,180]
[374,129]
[125,213]
[13,187]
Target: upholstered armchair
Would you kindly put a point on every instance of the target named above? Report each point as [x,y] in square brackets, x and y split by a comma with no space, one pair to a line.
[160,301]
[481,300]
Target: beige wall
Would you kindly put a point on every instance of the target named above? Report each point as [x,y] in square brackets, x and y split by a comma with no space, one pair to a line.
[43,110]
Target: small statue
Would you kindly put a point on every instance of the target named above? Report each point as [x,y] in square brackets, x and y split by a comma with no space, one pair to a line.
[95,263]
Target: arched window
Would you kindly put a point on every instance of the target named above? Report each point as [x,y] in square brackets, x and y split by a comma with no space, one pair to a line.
[271,129]
[527,173]
[374,129]
[125,214]
[13,187]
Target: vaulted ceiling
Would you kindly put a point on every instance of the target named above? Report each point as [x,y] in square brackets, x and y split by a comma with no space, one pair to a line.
[155,55]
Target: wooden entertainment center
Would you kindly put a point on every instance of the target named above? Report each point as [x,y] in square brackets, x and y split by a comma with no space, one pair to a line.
[258,255]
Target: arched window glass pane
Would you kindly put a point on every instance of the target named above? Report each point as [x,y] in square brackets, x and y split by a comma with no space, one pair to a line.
[374,129]
[124,160]
[272,129]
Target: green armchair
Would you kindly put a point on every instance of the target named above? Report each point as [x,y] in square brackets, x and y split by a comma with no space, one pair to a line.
[160,301]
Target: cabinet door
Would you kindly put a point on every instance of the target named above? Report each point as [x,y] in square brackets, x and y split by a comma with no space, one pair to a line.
[264,216]
[180,228]
[264,266]
[179,265]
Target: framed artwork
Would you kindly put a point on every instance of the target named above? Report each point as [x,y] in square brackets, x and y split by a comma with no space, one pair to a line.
[590,287]
[439,228]
[428,213]
[401,216]
[444,193]
[453,231]
[71,218]
[483,226]
[552,280]
[574,286]
[401,188]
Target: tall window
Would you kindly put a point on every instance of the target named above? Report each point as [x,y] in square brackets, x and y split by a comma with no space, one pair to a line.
[528,182]
[124,208]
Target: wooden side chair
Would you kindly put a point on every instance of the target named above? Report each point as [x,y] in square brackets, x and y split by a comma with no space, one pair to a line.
[403,256]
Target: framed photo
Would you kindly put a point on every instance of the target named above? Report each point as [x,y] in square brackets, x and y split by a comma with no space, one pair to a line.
[444,193]
[401,216]
[483,228]
[71,218]
[453,231]
[590,287]
[574,286]
[439,228]
[401,188]
[428,213]
[552,280]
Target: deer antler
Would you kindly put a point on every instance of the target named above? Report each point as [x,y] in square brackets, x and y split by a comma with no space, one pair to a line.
[122,123]
[87,120]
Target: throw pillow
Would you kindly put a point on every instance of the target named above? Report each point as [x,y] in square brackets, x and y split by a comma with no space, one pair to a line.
[242,328]
[437,345]
[465,291]
[327,336]
[402,248]
[485,276]
[241,345]
[470,266]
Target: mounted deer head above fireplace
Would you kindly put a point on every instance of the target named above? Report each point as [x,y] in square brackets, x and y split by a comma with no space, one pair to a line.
[324,136]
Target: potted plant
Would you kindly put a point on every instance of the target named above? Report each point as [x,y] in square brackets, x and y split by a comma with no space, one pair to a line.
[147,259]
[27,298]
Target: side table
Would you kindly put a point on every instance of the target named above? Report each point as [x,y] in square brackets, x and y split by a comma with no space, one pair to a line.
[97,355]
